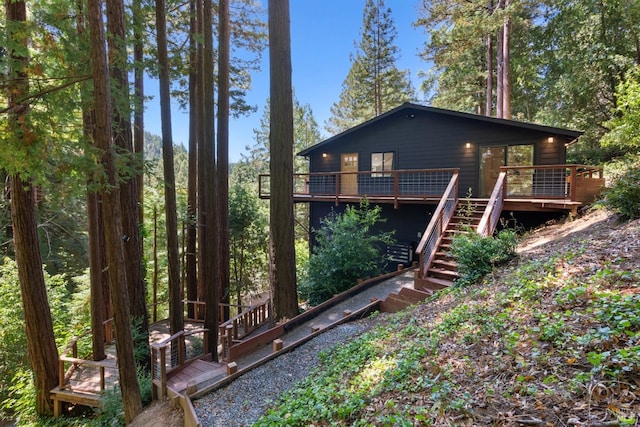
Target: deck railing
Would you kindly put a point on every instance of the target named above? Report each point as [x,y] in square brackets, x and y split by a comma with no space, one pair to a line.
[182,350]
[439,221]
[578,183]
[491,215]
[394,184]
[242,325]
[70,357]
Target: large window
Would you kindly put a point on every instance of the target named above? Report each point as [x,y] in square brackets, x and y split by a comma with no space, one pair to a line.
[381,162]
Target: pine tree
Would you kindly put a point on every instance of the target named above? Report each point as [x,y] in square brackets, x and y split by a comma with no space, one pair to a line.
[374,83]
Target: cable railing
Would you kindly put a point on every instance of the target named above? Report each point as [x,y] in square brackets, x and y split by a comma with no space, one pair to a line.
[439,221]
[184,346]
[392,185]
[578,183]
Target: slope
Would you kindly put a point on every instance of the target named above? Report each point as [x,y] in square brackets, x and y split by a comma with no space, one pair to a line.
[553,338]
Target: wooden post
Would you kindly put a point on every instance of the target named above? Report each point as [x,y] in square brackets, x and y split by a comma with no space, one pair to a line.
[277,345]
[346,313]
[574,180]
[314,328]
[232,368]
[61,374]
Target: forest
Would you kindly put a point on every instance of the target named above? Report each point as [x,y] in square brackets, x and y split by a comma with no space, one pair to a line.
[99,219]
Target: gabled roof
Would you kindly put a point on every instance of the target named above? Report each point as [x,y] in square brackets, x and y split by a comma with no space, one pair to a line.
[569,134]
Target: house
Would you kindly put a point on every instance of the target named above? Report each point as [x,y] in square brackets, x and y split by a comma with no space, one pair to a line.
[412,158]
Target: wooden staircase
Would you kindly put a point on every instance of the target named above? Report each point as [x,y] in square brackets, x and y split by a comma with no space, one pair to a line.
[443,270]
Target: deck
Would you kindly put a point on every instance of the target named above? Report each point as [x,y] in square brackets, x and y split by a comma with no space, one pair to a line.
[85,382]
[527,188]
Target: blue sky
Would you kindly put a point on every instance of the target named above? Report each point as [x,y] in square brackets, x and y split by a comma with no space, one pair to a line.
[323,35]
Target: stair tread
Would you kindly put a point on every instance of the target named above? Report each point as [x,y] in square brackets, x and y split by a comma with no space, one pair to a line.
[442,283]
[446,263]
[441,271]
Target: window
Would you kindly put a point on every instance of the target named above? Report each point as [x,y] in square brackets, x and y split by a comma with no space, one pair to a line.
[381,162]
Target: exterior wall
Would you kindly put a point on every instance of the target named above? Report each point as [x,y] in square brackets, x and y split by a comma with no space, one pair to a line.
[426,140]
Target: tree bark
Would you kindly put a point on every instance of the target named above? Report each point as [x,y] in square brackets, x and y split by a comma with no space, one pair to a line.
[98,276]
[176,316]
[113,218]
[129,206]
[506,85]
[284,297]
[207,163]
[192,186]
[138,114]
[43,354]
[222,185]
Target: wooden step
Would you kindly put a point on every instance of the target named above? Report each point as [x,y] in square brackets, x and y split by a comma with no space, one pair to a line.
[444,255]
[445,264]
[442,274]
[432,284]
[415,294]
[394,303]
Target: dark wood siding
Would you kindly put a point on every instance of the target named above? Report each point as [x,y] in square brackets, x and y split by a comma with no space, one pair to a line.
[426,140]
[408,221]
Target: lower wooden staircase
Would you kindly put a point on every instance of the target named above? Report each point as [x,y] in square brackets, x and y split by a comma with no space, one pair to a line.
[437,269]
[443,270]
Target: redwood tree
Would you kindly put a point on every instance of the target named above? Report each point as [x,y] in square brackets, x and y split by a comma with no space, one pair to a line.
[129,203]
[284,297]
[113,217]
[222,166]
[176,317]
[43,354]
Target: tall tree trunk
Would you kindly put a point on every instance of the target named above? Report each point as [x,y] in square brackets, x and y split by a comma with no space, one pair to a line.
[113,218]
[176,317]
[43,354]
[506,85]
[97,264]
[284,298]
[138,114]
[222,185]
[192,185]
[128,190]
[201,121]
[488,102]
[209,240]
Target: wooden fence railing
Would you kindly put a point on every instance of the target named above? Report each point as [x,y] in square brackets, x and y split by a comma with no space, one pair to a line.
[242,325]
[181,353]
[439,221]
[491,215]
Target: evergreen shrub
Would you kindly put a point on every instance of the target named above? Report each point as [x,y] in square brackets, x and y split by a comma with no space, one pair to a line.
[477,255]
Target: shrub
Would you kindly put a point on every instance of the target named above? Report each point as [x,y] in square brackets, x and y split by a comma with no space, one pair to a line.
[477,255]
[623,197]
[347,249]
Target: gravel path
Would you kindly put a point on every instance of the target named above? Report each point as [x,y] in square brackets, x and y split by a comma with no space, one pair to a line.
[243,401]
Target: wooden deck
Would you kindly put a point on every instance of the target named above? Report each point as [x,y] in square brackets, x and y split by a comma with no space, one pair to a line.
[85,382]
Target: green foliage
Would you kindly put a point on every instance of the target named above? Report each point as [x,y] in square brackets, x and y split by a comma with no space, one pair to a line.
[374,83]
[347,249]
[14,361]
[623,197]
[477,255]
[546,337]
[248,240]
[624,127]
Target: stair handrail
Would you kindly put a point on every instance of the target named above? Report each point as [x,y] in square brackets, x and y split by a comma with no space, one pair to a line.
[439,221]
[491,215]
[161,365]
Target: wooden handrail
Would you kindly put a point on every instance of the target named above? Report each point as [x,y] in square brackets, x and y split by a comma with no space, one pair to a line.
[250,320]
[159,368]
[439,221]
[559,181]
[489,220]
[391,182]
